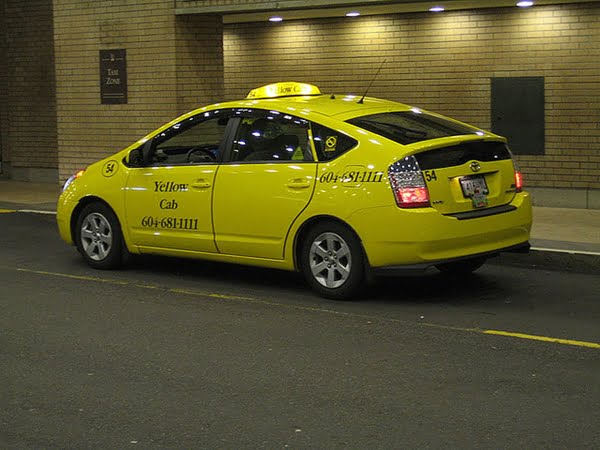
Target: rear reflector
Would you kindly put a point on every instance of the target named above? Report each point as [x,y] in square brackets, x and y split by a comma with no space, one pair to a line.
[408,184]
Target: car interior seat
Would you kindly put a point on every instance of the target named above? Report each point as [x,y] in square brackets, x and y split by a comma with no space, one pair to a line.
[281,148]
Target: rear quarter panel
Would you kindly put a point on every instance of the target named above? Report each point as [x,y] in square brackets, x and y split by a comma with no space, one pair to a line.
[355,189]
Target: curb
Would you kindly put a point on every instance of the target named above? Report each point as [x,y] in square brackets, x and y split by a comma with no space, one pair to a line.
[549,259]
[37,208]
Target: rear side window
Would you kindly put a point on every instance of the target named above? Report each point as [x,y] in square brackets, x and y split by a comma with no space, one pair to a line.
[270,136]
[329,143]
[408,127]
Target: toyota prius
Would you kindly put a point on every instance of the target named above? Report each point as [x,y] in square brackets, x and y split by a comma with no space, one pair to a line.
[337,187]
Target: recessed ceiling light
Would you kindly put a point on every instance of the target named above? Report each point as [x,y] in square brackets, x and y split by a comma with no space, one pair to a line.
[524,4]
[437,9]
[276,19]
[353,14]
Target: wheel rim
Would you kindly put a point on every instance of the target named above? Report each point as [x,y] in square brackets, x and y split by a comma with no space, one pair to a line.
[330,260]
[96,236]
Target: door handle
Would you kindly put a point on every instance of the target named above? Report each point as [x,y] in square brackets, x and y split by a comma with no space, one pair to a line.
[298,183]
[200,184]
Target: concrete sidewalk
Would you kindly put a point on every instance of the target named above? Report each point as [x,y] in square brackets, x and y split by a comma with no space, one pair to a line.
[21,195]
[562,236]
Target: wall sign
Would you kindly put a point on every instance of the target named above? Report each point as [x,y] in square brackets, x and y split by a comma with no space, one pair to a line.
[113,77]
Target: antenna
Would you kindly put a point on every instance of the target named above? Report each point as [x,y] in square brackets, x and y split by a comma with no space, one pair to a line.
[361,101]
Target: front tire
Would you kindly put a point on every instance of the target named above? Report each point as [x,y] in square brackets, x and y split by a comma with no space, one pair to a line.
[333,261]
[98,237]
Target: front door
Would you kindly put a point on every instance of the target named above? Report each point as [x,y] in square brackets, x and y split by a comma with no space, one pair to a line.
[168,199]
[169,207]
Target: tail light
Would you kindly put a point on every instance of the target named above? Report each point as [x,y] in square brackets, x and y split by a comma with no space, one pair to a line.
[518,181]
[518,174]
[408,184]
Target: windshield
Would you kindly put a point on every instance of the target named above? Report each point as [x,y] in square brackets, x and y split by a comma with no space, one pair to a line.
[407,127]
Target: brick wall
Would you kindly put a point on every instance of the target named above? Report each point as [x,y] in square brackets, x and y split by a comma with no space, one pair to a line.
[444,62]
[441,62]
[28,111]
[3,84]
[174,64]
[87,129]
[199,61]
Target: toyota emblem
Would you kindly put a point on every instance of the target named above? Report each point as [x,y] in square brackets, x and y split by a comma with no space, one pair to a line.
[475,166]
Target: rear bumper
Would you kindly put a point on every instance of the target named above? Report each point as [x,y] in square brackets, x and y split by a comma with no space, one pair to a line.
[393,270]
[394,237]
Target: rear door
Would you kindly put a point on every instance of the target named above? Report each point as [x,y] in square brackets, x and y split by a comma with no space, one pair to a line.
[266,182]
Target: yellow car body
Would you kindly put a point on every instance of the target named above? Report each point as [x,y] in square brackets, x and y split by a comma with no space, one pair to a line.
[339,160]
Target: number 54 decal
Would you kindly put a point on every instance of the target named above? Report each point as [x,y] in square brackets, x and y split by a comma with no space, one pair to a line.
[430,175]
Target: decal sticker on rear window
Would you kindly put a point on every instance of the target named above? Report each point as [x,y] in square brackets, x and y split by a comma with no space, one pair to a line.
[330,143]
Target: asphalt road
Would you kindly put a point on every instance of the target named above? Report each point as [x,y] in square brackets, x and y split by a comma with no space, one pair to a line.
[172,353]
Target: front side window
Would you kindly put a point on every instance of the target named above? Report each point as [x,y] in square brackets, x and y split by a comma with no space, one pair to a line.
[270,136]
[408,127]
[194,140]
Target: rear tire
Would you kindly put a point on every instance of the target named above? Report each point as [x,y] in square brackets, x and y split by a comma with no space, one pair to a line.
[333,261]
[98,237]
[462,267]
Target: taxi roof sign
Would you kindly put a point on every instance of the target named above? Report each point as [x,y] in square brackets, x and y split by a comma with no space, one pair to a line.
[284,89]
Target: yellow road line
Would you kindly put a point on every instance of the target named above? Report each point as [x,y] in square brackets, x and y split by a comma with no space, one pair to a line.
[7,211]
[531,337]
[542,338]
[76,277]
[204,294]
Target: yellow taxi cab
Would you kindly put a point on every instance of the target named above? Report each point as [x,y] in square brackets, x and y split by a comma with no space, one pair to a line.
[336,187]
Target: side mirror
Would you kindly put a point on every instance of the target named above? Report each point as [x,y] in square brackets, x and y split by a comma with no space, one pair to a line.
[146,152]
[141,156]
[135,157]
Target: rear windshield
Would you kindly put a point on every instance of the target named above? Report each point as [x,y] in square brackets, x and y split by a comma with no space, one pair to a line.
[407,127]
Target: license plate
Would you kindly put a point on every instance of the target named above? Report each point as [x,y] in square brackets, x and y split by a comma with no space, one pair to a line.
[475,188]
[474,184]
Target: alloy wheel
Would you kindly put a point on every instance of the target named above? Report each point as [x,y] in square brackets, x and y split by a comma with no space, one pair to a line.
[330,260]
[96,236]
